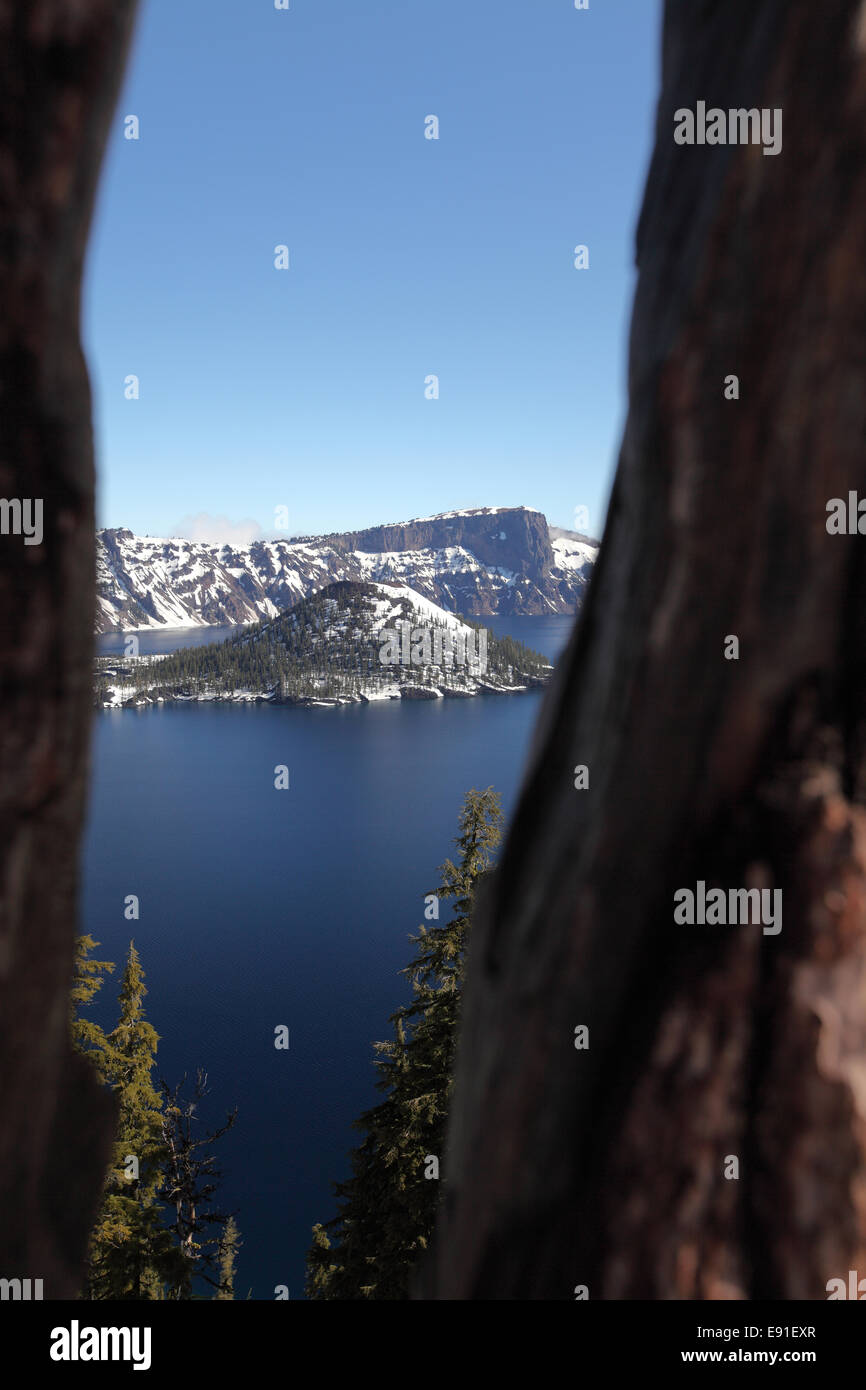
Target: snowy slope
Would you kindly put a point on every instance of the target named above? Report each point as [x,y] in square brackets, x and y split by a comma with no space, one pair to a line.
[352,641]
[488,560]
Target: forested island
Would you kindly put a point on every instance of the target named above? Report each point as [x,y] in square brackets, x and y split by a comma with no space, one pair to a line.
[350,642]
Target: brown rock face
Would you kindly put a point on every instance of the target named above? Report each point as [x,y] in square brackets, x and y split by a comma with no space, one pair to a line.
[60,67]
[514,538]
[481,562]
[610,1167]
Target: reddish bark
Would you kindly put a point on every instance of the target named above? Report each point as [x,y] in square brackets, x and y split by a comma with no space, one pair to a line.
[60,67]
[606,1167]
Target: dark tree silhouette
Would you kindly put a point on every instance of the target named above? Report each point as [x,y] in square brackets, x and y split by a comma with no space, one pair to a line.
[60,67]
[605,1167]
[190,1182]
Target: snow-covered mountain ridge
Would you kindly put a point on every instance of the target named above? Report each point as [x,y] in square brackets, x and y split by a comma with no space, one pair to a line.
[478,562]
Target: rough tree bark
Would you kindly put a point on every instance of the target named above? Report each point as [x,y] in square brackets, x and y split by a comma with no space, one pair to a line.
[60,68]
[605,1167]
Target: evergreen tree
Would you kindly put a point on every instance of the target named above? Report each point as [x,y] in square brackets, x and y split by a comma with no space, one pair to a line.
[131,1253]
[229,1245]
[387,1207]
[87,979]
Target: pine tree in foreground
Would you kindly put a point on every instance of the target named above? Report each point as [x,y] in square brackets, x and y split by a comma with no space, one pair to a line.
[387,1207]
[132,1255]
[87,980]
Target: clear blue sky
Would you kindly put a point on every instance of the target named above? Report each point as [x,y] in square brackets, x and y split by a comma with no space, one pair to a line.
[304,388]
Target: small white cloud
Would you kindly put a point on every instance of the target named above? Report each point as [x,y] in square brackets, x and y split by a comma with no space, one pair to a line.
[218,530]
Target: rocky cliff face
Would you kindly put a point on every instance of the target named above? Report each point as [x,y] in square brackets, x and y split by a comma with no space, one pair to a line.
[516,539]
[492,560]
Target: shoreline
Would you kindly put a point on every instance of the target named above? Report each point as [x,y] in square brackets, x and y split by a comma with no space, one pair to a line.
[409,692]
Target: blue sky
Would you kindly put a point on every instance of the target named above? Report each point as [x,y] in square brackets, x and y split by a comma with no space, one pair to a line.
[305,388]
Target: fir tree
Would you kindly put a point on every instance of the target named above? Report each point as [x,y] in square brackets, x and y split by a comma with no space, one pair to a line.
[87,980]
[131,1253]
[387,1207]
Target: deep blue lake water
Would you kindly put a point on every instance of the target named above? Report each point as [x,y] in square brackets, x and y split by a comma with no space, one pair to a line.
[262,907]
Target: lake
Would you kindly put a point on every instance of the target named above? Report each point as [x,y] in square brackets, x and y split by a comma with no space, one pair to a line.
[262,907]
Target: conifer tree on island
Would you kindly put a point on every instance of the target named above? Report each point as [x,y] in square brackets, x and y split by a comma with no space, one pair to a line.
[387,1208]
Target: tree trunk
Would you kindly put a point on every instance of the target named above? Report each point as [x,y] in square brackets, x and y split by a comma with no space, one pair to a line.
[606,1168]
[60,67]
